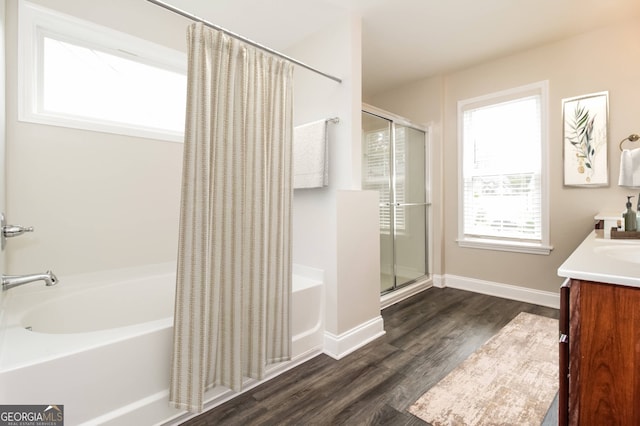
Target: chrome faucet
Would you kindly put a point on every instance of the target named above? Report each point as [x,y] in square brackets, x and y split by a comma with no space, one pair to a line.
[10,281]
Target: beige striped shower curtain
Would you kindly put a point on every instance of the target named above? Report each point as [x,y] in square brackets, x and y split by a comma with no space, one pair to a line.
[233,291]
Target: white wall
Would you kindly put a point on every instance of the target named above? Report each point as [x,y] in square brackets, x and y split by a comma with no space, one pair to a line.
[3,269]
[322,238]
[100,201]
[97,201]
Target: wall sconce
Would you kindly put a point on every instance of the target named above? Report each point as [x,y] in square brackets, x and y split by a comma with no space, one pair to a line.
[632,137]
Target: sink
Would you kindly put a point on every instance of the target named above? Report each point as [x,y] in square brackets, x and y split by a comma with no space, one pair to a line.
[624,253]
[613,261]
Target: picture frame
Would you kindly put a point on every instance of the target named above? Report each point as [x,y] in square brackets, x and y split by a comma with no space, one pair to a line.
[585,121]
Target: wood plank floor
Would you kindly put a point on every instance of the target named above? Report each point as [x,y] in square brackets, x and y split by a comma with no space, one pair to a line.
[426,337]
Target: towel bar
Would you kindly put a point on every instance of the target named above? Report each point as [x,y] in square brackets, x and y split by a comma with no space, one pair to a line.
[632,137]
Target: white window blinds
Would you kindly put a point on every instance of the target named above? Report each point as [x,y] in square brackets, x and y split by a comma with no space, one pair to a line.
[377,169]
[377,173]
[502,171]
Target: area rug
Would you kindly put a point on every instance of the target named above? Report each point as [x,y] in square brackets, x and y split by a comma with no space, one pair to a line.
[511,380]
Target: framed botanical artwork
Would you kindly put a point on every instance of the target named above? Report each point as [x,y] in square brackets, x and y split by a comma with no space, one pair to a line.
[585,140]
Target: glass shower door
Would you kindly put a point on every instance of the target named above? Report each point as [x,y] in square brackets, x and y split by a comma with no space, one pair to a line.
[376,175]
[394,164]
[410,204]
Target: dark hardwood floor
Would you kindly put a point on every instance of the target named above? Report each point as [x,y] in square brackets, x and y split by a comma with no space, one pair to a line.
[426,337]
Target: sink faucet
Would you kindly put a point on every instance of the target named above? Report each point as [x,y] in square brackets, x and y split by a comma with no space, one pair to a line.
[10,281]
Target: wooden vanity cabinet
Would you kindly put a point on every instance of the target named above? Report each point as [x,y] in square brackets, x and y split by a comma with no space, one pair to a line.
[601,354]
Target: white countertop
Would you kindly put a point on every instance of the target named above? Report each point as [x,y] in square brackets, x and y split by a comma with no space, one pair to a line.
[598,259]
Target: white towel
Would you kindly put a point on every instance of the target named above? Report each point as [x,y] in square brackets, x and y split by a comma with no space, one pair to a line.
[310,155]
[630,168]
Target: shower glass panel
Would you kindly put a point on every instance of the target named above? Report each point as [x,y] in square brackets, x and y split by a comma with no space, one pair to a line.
[410,204]
[376,175]
[394,164]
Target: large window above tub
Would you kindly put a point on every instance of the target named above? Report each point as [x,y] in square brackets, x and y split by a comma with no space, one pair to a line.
[75,73]
[503,193]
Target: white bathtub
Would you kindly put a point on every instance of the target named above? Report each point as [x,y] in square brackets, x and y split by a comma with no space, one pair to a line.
[100,344]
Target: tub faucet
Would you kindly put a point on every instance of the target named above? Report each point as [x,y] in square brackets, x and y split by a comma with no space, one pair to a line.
[10,281]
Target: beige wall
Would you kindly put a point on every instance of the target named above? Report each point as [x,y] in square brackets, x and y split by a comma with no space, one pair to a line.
[604,59]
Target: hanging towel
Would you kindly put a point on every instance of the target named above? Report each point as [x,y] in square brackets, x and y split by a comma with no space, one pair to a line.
[630,168]
[310,155]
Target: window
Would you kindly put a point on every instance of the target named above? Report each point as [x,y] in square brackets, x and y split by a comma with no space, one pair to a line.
[503,193]
[400,171]
[77,74]
[377,173]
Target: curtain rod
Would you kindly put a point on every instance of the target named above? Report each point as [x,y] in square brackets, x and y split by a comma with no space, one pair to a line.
[241,38]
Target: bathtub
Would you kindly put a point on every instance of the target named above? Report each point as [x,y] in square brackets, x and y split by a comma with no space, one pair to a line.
[100,344]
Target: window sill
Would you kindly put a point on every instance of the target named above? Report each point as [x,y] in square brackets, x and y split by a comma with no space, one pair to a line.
[98,126]
[511,246]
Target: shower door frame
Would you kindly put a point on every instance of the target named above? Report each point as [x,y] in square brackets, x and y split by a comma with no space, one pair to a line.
[394,119]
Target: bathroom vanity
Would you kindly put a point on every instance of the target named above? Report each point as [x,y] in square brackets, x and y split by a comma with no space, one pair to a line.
[600,334]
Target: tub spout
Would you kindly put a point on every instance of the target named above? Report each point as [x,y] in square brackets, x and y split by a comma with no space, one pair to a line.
[10,281]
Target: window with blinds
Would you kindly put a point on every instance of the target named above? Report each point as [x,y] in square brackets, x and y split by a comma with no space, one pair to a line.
[377,173]
[502,194]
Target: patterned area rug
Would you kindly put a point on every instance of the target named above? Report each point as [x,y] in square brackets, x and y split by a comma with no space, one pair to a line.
[511,380]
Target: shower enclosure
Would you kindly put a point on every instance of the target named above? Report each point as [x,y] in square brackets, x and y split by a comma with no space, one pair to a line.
[395,163]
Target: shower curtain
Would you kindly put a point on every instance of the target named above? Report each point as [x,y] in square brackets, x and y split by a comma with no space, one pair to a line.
[233,291]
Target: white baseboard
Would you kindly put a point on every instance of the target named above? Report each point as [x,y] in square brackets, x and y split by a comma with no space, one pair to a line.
[438,281]
[507,291]
[340,346]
